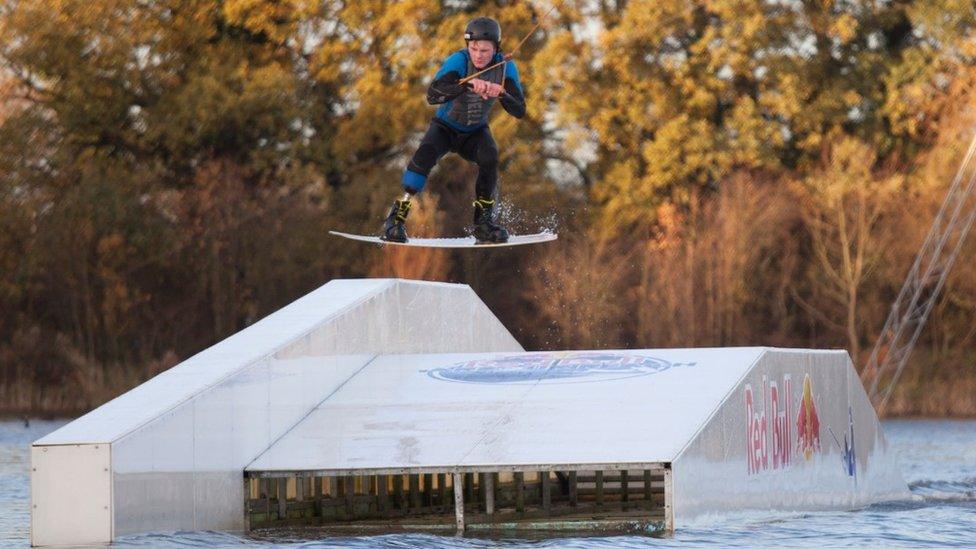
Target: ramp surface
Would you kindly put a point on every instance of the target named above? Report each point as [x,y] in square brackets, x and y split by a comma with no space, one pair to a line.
[498,409]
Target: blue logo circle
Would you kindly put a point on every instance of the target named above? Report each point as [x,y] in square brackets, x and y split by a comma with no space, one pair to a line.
[549,368]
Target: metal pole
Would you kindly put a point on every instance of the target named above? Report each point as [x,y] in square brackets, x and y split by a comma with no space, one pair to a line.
[459,501]
[490,494]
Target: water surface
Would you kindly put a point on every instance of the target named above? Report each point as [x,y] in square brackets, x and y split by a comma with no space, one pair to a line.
[937,459]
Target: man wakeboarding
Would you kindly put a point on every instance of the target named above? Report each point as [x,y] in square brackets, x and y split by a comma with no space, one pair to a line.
[461,126]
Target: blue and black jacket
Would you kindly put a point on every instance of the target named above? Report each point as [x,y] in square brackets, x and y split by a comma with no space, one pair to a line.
[460,107]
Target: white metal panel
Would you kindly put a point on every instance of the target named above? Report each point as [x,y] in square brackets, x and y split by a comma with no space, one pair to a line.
[71,494]
[225,425]
[464,324]
[176,385]
[195,454]
[513,408]
[768,447]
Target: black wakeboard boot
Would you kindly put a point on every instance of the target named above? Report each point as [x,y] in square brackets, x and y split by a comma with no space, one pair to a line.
[393,228]
[485,228]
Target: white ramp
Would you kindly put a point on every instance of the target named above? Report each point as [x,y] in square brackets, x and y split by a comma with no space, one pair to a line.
[378,380]
[740,429]
[177,444]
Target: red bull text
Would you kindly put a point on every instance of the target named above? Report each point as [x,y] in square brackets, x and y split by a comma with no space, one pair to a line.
[777,409]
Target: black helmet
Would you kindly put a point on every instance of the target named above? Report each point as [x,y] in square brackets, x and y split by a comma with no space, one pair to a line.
[483,28]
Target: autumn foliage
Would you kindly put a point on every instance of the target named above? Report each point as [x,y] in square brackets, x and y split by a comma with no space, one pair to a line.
[720,173]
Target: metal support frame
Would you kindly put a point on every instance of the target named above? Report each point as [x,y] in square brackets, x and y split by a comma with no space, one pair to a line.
[341,486]
[923,284]
[459,501]
[668,500]
[490,495]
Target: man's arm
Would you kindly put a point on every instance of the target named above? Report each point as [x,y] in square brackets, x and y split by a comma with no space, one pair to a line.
[513,101]
[445,85]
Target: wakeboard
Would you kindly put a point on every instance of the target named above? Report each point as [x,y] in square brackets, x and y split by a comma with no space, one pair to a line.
[459,242]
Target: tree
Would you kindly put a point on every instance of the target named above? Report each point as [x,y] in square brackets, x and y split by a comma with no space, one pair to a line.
[842,208]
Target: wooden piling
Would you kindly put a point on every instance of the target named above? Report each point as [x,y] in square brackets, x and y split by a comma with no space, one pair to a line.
[599,487]
[414,481]
[520,492]
[546,491]
[573,493]
[317,495]
[350,490]
[647,484]
[624,489]
[382,495]
[441,489]
[398,496]
[428,490]
[468,486]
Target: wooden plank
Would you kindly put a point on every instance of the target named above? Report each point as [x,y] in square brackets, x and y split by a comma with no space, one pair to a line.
[480,495]
[398,497]
[349,489]
[317,495]
[647,484]
[428,490]
[333,487]
[300,488]
[414,481]
[599,487]
[459,501]
[546,491]
[624,491]
[468,486]
[520,492]
[441,489]
[382,495]
[573,494]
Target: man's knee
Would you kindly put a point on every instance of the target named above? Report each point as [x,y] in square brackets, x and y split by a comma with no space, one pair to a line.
[424,159]
[487,157]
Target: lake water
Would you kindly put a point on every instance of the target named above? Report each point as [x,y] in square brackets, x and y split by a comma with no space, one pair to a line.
[937,458]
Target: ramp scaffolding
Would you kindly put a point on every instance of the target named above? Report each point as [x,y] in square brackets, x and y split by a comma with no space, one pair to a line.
[560,497]
[923,284]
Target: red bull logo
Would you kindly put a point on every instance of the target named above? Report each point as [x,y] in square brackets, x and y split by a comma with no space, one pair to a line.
[769,428]
[807,423]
